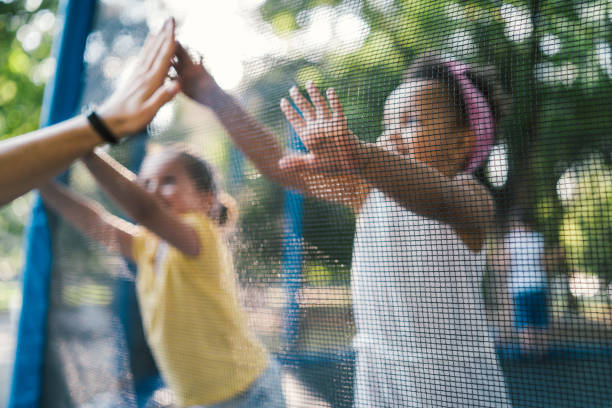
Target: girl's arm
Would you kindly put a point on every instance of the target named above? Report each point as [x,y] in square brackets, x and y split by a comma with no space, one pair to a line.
[30,159]
[258,143]
[90,218]
[140,205]
[461,202]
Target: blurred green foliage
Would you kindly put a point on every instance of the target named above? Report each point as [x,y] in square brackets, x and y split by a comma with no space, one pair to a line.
[26,34]
[586,230]
[553,58]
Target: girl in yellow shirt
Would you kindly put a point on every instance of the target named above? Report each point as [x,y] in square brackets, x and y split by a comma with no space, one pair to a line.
[186,287]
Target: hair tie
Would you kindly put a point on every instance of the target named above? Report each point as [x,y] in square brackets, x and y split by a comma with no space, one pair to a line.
[480,117]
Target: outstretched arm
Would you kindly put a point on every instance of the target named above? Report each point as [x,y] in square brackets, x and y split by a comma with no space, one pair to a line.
[90,218]
[28,160]
[140,205]
[460,202]
[257,142]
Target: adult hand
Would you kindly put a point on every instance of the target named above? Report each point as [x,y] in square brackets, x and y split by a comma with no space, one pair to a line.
[134,103]
[333,148]
[28,160]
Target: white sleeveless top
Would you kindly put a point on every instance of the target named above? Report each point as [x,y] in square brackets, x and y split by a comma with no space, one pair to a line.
[422,337]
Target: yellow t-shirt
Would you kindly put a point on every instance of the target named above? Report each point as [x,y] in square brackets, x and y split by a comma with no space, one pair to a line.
[194,324]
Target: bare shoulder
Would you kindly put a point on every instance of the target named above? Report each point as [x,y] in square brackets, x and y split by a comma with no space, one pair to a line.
[477,210]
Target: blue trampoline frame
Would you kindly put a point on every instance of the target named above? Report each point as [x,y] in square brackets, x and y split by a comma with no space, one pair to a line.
[61,100]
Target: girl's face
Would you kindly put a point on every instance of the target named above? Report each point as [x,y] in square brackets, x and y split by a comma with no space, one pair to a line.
[420,121]
[165,176]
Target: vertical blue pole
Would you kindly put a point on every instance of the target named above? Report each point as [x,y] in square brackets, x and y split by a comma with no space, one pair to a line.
[143,369]
[62,95]
[236,168]
[293,259]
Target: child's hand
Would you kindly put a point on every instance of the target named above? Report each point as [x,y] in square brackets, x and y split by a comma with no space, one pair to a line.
[333,148]
[134,103]
[195,80]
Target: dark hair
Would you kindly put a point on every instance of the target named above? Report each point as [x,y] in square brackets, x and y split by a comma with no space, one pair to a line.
[205,180]
[433,67]
[200,171]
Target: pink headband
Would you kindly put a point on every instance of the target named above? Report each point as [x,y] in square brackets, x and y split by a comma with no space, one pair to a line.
[480,117]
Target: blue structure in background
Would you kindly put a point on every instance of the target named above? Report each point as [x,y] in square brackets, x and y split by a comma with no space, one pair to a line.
[61,101]
[143,369]
[292,260]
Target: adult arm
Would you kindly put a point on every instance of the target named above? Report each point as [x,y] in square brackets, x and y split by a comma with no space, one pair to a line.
[258,143]
[90,218]
[140,205]
[30,159]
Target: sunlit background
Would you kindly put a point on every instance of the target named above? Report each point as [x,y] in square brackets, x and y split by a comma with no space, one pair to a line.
[336,42]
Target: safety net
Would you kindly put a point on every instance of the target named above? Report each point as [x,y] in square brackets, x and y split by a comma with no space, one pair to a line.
[460,256]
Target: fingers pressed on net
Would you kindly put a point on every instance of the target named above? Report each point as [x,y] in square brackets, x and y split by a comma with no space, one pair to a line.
[145,50]
[187,57]
[321,108]
[302,104]
[162,44]
[334,102]
[294,118]
[295,162]
[162,63]
[149,50]
[182,56]
[162,95]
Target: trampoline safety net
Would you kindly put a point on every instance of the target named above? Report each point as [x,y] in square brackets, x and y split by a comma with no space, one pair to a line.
[435,232]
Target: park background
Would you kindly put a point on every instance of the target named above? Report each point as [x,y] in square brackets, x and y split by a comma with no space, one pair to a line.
[553,162]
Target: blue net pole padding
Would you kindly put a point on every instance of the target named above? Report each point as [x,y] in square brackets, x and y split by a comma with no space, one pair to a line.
[61,100]
[292,258]
[292,267]
[142,366]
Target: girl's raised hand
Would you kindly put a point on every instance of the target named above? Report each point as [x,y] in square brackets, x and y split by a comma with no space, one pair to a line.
[136,101]
[333,148]
[194,79]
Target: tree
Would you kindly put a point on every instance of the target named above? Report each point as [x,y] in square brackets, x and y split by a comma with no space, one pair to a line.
[586,229]
[552,56]
[26,33]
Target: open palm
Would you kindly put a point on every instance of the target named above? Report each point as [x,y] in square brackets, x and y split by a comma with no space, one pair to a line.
[145,90]
[196,82]
[332,147]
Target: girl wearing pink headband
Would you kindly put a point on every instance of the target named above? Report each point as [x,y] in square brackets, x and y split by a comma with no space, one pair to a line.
[422,337]
[479,113]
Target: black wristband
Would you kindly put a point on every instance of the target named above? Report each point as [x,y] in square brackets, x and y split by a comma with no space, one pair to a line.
[100,127]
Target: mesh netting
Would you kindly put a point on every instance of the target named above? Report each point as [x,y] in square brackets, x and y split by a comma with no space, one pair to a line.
[378,289]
